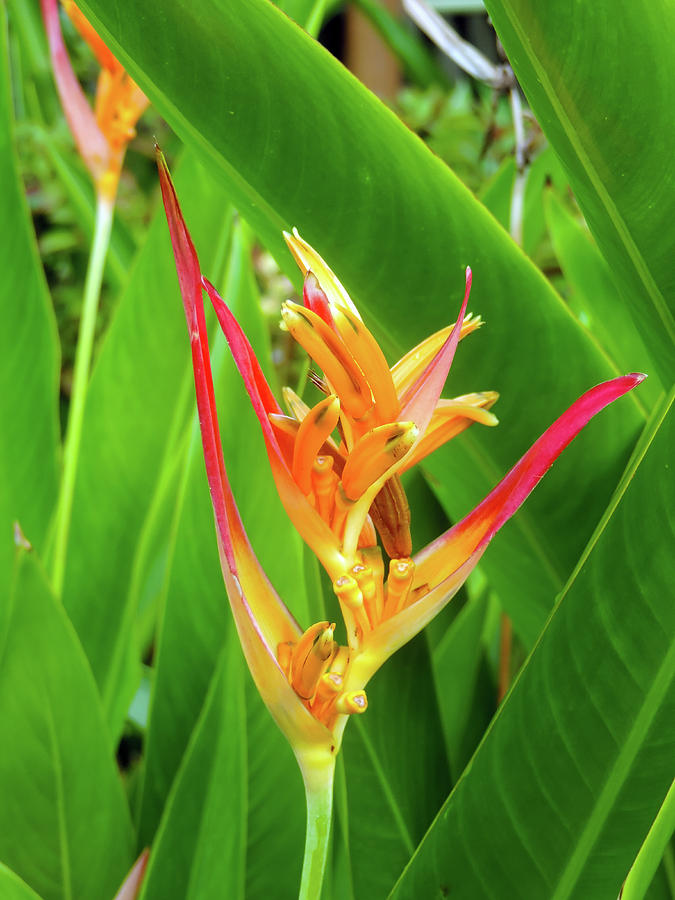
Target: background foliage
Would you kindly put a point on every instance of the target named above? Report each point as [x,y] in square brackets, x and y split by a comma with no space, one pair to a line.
[132,717]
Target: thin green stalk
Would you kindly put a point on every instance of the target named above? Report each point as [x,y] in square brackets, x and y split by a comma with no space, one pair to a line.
[85,342]
[318,775]
[652,850]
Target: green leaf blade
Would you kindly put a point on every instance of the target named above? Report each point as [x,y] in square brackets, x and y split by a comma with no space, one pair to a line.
[29,349]
[577,762]
[615,143]
[64,822]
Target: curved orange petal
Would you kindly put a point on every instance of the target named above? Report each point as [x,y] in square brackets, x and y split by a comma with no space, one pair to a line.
[449,419]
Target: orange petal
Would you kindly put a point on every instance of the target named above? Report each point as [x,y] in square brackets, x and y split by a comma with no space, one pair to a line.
[370,359]
[375,454]
[330,353]
[450,418]
[314,429]
[101,52]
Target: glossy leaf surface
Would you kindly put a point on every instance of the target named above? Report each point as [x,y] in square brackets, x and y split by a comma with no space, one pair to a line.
[64,822]
[617,150]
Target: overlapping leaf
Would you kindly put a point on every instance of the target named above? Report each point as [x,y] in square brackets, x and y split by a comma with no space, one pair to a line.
[569,777]
[604,102]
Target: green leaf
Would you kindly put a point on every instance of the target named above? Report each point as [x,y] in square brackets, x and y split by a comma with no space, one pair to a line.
[135,395]
[579,759]
[457,664]
[64,822]
[594,297]
[298,141]
[13,888]
[200,848]
[615,142]
[396,770]
[29,374]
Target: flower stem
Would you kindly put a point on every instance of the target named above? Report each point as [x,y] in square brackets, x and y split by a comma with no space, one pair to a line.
[85,342]
[318,775]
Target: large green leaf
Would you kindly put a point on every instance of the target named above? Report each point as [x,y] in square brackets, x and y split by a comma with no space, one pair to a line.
[568,779]
[138,389]
[607,115]
[29,354]
[593,295]
[64,821]
[297,140]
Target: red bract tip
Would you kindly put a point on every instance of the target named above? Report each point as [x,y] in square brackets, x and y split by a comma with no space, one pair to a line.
[451,549]
[315,299]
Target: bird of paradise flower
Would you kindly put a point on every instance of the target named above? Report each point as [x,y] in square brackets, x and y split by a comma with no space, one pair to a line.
[340,495]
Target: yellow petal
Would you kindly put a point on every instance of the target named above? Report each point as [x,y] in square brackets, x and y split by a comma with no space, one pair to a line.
[308,260]
[374,455]
[370,358]
[330,353]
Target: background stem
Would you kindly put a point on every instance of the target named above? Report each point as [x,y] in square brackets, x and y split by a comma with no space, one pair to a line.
[85,342]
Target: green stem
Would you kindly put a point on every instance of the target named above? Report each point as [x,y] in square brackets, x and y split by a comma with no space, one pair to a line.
[85,342]
[652,850]
[318,775]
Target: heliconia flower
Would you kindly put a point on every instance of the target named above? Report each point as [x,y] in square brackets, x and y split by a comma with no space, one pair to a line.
[101,134]
[310,684]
